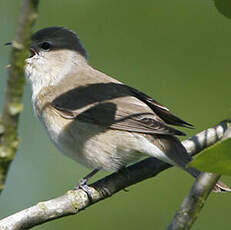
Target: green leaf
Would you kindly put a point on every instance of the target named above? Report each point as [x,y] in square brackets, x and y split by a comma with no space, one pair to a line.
[224,7]
[216,159]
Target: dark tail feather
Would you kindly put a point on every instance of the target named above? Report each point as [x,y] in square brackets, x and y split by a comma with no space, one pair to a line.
[176,152]
[219,187]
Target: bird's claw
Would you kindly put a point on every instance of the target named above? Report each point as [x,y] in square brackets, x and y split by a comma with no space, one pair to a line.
[82,185]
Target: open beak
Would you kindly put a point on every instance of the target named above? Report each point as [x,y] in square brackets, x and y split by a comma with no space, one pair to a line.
[32,52]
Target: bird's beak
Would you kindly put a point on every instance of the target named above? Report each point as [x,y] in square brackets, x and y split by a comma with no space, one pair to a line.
[33,52]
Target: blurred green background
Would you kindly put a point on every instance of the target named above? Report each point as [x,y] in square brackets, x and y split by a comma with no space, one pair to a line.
[178,52]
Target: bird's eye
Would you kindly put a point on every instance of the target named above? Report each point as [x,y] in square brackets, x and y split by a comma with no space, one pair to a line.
[45,45]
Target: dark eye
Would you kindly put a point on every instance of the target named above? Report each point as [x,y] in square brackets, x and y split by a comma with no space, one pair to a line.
[45,45]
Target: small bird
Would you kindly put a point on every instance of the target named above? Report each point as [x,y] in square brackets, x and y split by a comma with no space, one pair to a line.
[93,118]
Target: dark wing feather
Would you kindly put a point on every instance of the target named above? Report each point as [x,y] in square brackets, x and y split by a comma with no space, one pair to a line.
[119,110]
[96,98]
[161,110]
[105,115]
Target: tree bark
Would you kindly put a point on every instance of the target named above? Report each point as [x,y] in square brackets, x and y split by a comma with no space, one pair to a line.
[15,85]
[194,202]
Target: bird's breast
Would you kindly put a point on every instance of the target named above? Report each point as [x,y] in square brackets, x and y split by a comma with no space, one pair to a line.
[89,144]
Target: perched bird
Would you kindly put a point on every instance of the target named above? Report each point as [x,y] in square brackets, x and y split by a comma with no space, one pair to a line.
[93,118]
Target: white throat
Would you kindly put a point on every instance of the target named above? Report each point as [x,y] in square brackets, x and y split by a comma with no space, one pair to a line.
[47,69]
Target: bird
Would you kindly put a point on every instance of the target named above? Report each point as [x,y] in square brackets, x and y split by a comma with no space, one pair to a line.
[93,118]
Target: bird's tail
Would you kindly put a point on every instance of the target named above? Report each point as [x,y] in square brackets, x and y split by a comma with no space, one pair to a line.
[178,156]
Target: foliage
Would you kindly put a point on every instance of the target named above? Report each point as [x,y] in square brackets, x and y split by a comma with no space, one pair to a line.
[216,158]
[224,7]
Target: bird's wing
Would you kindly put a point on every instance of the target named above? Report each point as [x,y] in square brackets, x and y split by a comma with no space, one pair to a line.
[114,105]
[162,111]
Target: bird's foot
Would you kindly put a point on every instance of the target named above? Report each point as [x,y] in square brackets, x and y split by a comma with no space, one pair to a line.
[83,185]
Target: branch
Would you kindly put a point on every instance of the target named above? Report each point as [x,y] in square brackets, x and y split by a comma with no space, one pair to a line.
[15,85]
[194,201]
[74,201]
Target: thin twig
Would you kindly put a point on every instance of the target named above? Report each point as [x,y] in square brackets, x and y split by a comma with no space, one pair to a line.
[74,201]
[194,201]
[15,85]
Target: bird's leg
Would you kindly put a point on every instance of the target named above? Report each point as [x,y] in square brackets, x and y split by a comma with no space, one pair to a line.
[85,179]
[83,183]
